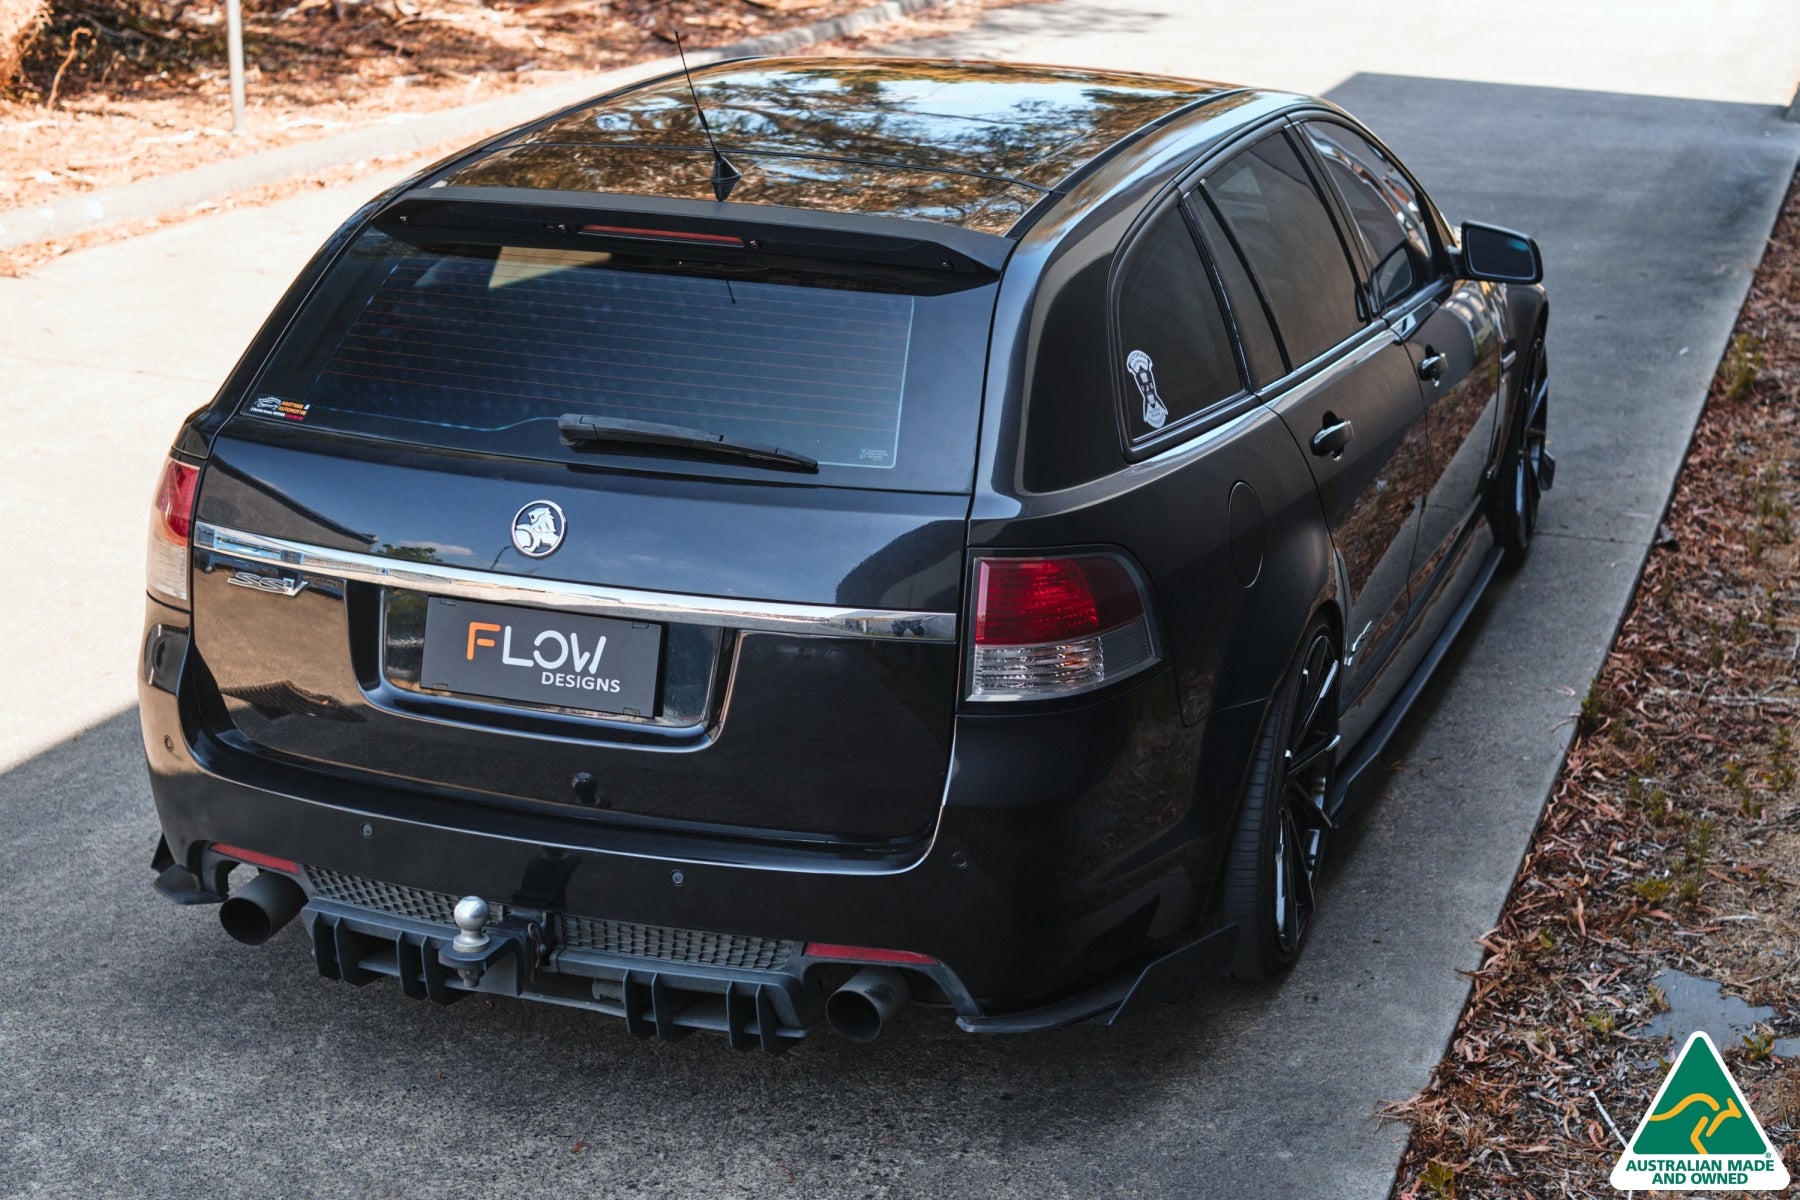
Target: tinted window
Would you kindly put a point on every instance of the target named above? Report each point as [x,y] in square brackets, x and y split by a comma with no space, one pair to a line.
[483,347]
[1247,311]
[1175,354]
[1384,205]
[1290,241]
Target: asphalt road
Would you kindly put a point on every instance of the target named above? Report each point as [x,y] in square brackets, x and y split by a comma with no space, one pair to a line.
[142,1053]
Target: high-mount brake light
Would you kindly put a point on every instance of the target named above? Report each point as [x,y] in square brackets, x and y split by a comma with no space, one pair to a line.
[1050,627]
[171,528]
[868,954]
[664,235]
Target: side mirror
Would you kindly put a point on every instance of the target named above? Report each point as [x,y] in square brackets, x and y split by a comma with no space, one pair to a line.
[1499,255]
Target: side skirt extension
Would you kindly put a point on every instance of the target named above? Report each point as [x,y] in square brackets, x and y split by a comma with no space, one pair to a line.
[1376,740]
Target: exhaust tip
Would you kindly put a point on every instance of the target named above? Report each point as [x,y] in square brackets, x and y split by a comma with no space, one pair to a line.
[862,1007]
[258,912]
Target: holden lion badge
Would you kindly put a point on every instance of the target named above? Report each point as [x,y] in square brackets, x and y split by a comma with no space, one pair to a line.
[538,529]
[1143,371]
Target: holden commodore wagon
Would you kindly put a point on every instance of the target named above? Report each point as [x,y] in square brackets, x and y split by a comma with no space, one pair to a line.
[751,554]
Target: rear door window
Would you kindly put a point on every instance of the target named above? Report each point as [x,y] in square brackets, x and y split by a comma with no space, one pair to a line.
[1280,221]
[1175,352]
[483,347]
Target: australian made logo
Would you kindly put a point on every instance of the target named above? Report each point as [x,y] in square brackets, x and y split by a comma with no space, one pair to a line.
[1700,1134]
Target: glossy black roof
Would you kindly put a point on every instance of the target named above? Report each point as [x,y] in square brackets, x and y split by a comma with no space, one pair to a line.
[968,144]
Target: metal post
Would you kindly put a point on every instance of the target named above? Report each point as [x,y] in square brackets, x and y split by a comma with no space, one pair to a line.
[234,45]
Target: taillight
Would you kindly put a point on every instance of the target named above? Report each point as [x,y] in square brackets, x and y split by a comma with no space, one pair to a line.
[1048,627]
[171,528]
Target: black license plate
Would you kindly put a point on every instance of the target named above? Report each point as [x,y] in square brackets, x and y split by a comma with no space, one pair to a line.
[541,657]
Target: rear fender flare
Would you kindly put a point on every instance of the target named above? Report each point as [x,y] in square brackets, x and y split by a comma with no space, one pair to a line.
[1312,574]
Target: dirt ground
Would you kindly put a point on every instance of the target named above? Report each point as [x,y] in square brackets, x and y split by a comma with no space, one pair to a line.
[1673,836]
[117,90]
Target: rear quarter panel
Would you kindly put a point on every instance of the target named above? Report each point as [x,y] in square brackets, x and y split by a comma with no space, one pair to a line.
[1053,475]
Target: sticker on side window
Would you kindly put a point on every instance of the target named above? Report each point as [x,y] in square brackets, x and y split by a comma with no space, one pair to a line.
[275,406]
[1143,371]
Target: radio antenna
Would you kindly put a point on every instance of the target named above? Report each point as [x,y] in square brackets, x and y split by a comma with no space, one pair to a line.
[724,175]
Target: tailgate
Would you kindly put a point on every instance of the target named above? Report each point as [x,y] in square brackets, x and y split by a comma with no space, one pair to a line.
[402,570]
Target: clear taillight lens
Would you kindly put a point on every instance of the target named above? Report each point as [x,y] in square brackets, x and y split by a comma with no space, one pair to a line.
[171,528]
[1049,627]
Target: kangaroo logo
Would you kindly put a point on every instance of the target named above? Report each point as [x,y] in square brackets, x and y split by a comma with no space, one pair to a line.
[538,529]
[1143,373]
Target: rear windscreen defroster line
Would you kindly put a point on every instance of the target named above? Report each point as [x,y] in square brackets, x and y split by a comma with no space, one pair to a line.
[485,347]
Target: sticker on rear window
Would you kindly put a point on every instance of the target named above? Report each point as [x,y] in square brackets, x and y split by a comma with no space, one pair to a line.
[1143,372]
[275,406]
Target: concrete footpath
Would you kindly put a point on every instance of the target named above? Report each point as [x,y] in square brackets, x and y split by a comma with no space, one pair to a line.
[145,1055]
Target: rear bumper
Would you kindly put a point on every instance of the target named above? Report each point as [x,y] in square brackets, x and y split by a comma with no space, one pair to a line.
[664,983]
[1055,888]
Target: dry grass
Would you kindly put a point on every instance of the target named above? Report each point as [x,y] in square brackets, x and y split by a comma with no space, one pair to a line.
[1673,835]
[20,21]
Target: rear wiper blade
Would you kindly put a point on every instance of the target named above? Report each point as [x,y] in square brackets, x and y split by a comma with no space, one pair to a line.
[580,430]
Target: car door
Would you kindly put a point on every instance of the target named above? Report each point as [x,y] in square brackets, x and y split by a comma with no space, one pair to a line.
[1450,332]
[1347,393]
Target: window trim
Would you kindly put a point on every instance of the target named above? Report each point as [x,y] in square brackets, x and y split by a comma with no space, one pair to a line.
[1201,419]
[1197,195]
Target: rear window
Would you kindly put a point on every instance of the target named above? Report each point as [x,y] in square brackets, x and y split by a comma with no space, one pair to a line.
[483,347]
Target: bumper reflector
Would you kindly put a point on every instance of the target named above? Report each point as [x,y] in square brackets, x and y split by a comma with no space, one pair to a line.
[268,861]
[867,954]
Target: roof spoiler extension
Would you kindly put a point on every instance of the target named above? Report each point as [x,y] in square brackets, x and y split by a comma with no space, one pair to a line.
[759,228]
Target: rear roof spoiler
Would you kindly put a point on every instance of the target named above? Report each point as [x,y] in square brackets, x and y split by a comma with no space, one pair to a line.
[762,228]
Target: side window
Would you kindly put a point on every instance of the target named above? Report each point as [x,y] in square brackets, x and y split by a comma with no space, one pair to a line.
[1175,353]
[1248,311]
[1291,243]
[1384,205]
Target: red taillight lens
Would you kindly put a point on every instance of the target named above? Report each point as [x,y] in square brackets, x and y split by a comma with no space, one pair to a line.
[868,954]
[173,518]
[1049,627]
[1022,601]
[171,525]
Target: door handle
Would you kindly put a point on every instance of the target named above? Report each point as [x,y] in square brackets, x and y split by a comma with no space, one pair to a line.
[1432,365]
[1330,441]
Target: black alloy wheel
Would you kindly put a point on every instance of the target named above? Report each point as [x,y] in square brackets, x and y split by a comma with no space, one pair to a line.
[1271,884]
[1525,475]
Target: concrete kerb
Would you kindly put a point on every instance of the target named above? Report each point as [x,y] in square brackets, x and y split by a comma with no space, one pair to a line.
[400,135]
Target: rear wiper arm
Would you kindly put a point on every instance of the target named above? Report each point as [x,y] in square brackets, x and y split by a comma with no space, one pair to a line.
[580,430]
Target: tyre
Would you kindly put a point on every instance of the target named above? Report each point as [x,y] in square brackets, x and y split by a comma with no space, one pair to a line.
[1527,468]
[1270,885]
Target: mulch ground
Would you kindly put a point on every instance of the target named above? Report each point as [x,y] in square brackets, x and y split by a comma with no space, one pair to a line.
[1673,835]
[116,90]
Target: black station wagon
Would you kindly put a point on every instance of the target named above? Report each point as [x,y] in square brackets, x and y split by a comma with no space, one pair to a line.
[927,531]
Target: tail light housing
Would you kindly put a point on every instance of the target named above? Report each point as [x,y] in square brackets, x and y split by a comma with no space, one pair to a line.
[1057,626]
[171,530]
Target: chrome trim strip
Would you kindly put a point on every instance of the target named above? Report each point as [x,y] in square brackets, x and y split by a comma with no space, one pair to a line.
[818,620]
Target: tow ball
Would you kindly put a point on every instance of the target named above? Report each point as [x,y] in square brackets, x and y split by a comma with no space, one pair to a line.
[479,946]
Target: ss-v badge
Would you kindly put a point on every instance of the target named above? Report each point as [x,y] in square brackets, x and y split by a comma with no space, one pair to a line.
[280,585]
